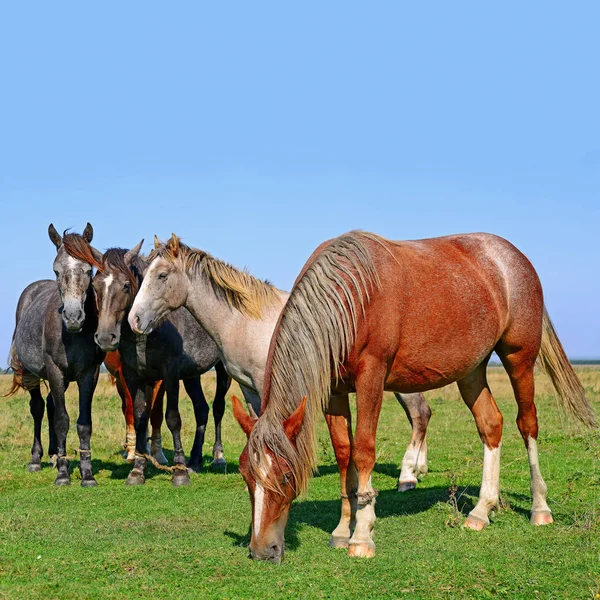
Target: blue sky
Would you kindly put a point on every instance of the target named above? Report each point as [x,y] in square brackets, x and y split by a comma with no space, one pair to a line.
[256,130]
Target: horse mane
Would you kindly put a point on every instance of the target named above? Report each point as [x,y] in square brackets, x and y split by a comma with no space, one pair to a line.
[312,340]
[79,248]
[114,260]
[241,290]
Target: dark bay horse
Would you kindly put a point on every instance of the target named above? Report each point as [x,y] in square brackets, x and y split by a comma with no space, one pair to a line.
[240,313]
[54,340]
[179,349]
[367,314]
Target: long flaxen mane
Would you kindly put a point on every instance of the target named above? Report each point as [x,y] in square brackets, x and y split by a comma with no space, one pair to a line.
[238,288]
[314,337]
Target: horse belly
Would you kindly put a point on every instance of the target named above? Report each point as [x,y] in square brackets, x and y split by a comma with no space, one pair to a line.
[29,342]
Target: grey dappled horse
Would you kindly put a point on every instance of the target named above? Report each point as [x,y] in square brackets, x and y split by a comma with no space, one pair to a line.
[54,340]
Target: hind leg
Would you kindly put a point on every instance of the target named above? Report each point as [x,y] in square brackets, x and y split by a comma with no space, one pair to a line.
[36,407]
[476,393]
[180,472]
[414,462]
[520,372]
[223,383]
[156,397]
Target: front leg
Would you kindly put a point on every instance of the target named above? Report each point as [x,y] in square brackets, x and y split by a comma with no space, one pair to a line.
[58,387]
[369,395]
[194,389]
[223,384]
[180,472]
[137,389]
[340,431]
[87,385]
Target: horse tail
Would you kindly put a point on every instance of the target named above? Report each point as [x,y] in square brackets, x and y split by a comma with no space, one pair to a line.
[17,368]
[22,379]
[554,362]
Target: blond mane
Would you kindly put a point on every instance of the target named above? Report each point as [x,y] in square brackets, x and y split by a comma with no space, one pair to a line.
[241,290]
[315,335]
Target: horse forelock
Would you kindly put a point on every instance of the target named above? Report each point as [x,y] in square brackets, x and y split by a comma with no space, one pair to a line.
[79,248]
[114,260]
[237,287]
[313,338]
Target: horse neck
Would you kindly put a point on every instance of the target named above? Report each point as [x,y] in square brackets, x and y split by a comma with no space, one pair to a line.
[91,311]
[224,323]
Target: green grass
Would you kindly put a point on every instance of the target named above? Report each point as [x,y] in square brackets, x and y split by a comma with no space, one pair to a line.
[159,542]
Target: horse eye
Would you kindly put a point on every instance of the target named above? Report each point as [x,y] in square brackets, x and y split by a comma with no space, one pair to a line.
[162,275]
[126,287]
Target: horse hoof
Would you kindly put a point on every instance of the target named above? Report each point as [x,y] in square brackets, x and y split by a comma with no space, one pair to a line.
[34,467]
[62,480]
[194,467]
[179,480]
[363,550]
[89,482]
[406,486]
[541,517]
[336,541]
[475,523]
[219,461]
[135,478]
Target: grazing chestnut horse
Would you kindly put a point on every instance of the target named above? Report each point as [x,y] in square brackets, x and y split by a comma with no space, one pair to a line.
[367,314]
[240,312]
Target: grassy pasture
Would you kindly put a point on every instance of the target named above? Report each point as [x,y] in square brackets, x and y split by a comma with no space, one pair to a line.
[158,542]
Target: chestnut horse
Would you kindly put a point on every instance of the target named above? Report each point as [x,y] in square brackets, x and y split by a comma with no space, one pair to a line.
[367,314]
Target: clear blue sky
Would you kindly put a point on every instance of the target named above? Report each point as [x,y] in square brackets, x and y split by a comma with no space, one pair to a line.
[256,130]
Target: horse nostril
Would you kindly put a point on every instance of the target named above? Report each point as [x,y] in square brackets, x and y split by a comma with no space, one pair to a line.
[137,321]
[274,549]
[96,338]
[113,337]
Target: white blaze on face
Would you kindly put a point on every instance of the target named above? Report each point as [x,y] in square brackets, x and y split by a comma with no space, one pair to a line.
[259,500]
[107,283]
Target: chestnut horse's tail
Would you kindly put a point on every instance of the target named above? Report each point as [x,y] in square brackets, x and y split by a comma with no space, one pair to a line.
[554,362]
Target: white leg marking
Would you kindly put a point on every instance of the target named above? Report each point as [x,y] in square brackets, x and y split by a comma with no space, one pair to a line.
[490,484]
[539,490]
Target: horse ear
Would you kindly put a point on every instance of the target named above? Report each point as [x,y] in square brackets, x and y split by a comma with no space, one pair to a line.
[54,236]
[292,424]
[131,254]
[174,245]
[241,416]
[98,256]
[156,242]
[88,233]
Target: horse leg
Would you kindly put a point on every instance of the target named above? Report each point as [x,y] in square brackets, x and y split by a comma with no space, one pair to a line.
[36,407]
[369,395]
[157,394]
[87,385]
[223,383]
[339,421]
[476,393]
[128,413]
[414,462]
[194,389]
[51,430]
[137,390]
[58,387]
[180,473]
[520,372]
